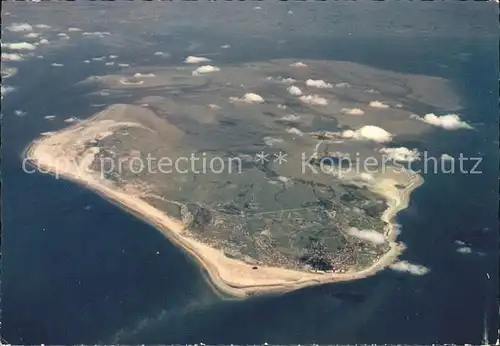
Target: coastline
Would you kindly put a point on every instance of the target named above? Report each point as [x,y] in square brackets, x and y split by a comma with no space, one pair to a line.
[229,276]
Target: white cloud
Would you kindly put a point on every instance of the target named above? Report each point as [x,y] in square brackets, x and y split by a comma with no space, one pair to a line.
[226,46]
[205,69]
[42,26]
[352,111]
[163,54]
[70,120]
[290,117]
[109,63]
[270,141]
[146,75]
[446,157]
[32,35]
[55,64]
[87,61]
[464,250]
[43,41]
[5,89]
[19,27]
[369,132]
[97,34]
[378,104]
[314,100]
[287,80]
[298,64]
[74,29]
[366,177]
[19,46]
[49,117]
[20,113]
[407,267]
[293,90]
[11,57]
[196,59]
[447,122]
[248,98]
[124,65]
[367,235]
[113,56]
[318,83]
[342,85]
[295,131]
[401,154]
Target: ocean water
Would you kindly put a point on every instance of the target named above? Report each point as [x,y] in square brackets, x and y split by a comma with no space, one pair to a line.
[78,269]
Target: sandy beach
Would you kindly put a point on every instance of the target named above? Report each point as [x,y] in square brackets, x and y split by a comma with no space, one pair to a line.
[229,276]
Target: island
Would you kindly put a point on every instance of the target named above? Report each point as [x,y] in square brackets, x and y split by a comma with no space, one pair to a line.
[270,175]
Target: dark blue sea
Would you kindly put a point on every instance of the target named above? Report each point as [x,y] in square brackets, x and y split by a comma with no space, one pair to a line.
[77,269]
